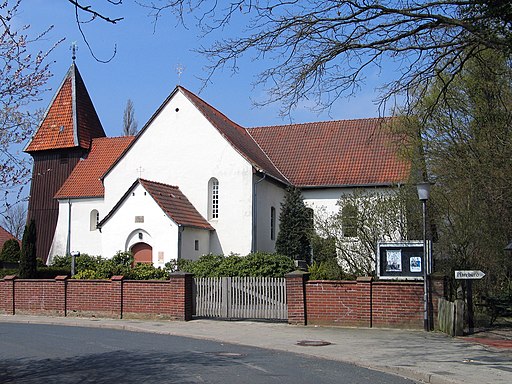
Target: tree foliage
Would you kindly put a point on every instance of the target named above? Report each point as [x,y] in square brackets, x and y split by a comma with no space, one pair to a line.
[381,216]
[129,123]
[322,49]
[14,219]
[466,142]
[22,79]
[28,260]
[295,228]
[10,251]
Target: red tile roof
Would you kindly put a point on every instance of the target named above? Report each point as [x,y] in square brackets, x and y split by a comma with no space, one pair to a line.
[172,202]
[70,120]
[175,204]
[85,181]
[4,236]
[334,153]
[237,136]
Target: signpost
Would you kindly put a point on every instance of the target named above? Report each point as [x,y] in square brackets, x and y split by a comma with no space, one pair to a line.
[469,276]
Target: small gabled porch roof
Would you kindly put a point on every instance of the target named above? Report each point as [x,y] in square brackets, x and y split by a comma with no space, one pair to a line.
[171,201]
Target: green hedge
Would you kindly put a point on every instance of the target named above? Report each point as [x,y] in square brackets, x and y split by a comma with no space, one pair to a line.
[255,264]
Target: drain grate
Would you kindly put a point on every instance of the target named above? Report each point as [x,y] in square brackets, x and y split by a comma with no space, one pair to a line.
[313,343]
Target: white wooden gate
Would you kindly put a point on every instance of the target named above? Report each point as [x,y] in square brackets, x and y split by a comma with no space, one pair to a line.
[241,298]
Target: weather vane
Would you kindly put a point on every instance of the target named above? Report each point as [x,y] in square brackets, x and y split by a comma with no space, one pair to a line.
[73,48]
[179,70]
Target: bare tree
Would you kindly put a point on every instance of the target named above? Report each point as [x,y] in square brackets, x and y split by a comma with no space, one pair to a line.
[14,219]
[22,79]
[323,49]
[129,123]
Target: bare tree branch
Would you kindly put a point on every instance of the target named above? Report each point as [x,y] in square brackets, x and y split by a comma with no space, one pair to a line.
[323,49]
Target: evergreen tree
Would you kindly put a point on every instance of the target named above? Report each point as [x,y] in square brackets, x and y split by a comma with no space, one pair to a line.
[296,225]
[28,262]
[10,251]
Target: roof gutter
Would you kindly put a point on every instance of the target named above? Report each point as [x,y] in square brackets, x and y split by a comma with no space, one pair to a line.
[369,185]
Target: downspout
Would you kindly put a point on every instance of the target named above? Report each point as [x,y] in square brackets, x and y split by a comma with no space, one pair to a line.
[180,230]
[255,213]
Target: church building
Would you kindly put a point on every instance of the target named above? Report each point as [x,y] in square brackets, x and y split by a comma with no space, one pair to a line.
[192,181]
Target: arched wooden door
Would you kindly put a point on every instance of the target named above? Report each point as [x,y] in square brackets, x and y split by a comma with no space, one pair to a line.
[142,253]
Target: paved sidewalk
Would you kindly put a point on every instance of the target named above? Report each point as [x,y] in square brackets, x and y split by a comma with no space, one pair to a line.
[427,357]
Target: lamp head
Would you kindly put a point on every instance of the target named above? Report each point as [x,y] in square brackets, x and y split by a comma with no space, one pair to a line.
[423,190]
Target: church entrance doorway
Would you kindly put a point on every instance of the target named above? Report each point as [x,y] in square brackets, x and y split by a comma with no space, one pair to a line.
[142,253]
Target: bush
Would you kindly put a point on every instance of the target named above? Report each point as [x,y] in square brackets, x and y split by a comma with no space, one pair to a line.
[11,251]
[326,270]
[257,264]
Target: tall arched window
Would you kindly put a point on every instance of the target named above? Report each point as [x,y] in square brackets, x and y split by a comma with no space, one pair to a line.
[94,220]
[213,199]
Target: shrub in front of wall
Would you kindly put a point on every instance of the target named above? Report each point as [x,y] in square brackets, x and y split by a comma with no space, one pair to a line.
[255,264]
[147,272]
[11,251]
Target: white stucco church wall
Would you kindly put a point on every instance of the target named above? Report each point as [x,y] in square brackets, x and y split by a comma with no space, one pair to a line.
[84,237]
[180,147]
[139,219]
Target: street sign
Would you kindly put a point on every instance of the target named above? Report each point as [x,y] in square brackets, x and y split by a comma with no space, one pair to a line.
[469,275]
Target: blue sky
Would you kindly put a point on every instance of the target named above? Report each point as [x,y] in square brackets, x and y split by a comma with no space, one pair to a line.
[144,68]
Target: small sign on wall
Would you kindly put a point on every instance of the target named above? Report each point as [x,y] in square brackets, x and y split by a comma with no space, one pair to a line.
[400,260]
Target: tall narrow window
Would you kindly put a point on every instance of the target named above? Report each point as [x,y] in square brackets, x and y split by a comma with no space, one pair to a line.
[349,220]
[94,220]
[213,198]
[272,223]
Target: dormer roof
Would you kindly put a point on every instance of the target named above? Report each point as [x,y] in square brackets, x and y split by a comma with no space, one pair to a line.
[71,120]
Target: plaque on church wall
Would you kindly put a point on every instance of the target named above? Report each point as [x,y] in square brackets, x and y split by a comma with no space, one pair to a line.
[139,219]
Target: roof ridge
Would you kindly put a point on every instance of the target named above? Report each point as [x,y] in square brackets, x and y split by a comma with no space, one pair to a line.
[322,122]
[157,182]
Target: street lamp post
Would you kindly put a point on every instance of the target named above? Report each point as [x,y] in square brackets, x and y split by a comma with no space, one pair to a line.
[424,194]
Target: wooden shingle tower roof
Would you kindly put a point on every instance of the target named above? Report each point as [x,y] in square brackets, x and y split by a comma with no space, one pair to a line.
[71,120]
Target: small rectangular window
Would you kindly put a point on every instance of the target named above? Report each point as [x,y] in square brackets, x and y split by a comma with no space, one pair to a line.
[196,245]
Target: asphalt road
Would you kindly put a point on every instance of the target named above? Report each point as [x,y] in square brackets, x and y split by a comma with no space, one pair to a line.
[57,354]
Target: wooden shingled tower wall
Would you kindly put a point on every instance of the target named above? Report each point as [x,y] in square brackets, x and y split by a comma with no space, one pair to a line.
[63,137]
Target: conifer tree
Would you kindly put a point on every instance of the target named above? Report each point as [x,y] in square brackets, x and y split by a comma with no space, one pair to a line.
[10,251]
[28,262]
[295,227]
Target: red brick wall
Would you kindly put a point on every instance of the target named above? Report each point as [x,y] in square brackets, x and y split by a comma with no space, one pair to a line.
[365,303]
[397,304]
[39,296]
[90,298]
[344,303]
[147,298]
[102,298]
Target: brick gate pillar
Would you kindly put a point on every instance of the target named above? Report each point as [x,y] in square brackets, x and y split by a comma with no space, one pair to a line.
[10,300]
[181,295]
[296,297]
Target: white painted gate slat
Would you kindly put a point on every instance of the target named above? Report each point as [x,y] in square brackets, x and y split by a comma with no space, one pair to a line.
[241,297]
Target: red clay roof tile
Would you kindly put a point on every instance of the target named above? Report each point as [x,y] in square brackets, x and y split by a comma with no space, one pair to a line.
[334,153]
[175,204]
[70,120]
[4,236]
[85,181]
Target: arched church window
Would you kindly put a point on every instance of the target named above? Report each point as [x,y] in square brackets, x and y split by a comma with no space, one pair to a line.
[94,220]
[213,199]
